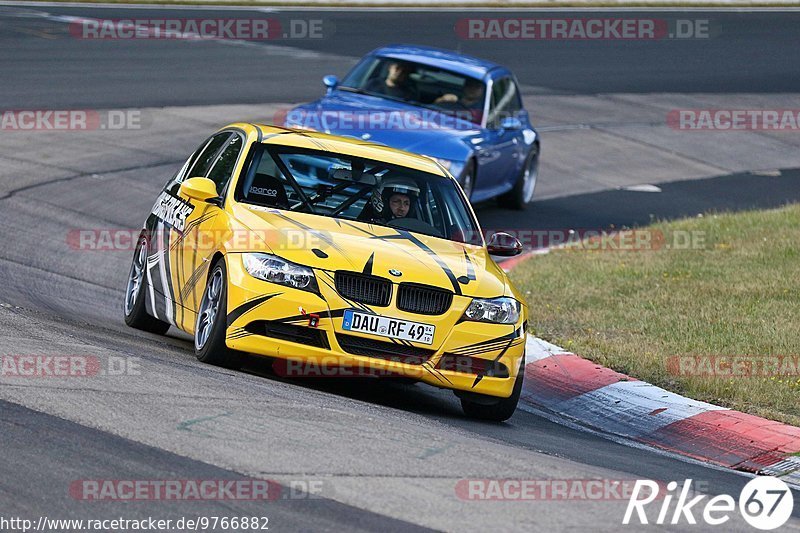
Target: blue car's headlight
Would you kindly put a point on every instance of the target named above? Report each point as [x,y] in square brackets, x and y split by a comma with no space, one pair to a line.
[496,310]
[272,268]
[453,166]
[446,163]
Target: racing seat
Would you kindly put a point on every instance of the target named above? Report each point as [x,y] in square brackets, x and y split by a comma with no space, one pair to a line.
[268,191]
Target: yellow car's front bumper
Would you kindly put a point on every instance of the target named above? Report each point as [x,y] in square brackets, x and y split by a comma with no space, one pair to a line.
[303,330]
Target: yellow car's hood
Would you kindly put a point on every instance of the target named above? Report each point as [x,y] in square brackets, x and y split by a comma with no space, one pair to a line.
[334,244]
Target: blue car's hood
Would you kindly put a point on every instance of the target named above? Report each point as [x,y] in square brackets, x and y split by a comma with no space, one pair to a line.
[396,124]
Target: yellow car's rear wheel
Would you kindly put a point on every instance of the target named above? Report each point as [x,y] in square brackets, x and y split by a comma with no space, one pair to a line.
[134,307]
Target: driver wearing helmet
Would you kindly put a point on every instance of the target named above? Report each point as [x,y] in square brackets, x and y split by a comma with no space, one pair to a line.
[399,195]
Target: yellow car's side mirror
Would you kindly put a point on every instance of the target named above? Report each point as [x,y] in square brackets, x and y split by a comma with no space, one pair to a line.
[202,189]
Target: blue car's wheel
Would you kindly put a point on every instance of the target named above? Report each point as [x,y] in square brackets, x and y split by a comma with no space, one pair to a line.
[467,179]
[522,193]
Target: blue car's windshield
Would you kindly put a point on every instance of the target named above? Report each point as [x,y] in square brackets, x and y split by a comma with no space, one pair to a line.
[419,84]
[356,189]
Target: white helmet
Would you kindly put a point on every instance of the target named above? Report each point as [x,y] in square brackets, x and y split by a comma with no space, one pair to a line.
[399,185]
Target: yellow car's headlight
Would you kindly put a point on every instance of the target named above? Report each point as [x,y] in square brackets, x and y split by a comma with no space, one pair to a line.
[274,269]
[497,310]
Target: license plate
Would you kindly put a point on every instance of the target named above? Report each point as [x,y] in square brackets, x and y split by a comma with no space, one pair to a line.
[388,327]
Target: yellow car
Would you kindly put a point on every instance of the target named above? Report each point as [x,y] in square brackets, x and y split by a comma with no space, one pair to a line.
[325,252]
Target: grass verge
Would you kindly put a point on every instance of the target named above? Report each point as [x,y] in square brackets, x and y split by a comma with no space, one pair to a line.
[717,319]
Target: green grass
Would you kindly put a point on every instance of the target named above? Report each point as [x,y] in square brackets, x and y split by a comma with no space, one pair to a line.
[736,295]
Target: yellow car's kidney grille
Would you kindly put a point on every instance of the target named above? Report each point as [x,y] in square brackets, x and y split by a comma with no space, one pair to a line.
[363,288]
[423,299]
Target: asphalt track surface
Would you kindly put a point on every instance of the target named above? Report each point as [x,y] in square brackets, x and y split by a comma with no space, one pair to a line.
[388,455]
[44,66]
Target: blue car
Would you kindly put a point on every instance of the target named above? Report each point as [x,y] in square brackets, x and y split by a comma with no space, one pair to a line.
[463,112]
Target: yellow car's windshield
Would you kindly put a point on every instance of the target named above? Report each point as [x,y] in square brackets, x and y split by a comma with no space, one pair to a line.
[358,189]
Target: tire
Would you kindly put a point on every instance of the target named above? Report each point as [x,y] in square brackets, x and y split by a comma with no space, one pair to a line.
[134,307]
[522,193]
[211,325]
[467,179]
[495,411]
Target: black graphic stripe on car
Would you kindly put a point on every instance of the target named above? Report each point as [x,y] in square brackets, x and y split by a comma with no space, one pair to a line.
[247,306]
[402,234]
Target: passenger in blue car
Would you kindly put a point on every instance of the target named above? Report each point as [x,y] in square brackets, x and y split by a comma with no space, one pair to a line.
[395,84]
[470,101]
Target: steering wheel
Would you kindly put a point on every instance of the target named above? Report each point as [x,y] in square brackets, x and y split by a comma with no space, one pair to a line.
[457,102]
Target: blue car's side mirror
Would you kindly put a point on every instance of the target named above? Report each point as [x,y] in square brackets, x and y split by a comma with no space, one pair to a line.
[511,123]
[331,82]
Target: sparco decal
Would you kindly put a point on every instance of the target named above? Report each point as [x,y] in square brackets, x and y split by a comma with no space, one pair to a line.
[263,191]
[172,210]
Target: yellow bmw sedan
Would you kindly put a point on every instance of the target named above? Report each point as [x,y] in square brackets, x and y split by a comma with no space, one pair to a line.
[325,252]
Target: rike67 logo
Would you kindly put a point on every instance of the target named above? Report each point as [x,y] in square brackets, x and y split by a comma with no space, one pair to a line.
[766,503]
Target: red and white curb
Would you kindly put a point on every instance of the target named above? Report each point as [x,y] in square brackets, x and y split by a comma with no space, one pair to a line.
[573,388]
[590,395]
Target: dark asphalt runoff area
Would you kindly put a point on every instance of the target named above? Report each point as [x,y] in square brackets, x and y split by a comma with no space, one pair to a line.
[44,65]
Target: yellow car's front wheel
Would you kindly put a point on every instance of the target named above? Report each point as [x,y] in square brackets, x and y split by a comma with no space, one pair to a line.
[490,408]
[209,331]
